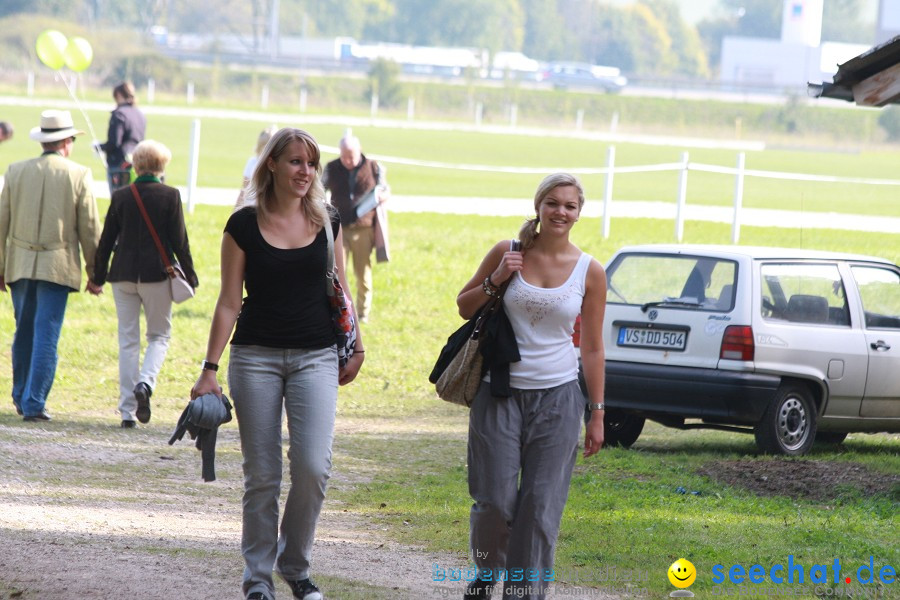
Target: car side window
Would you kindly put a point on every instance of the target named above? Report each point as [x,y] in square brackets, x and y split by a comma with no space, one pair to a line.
[804,293]
[879,290]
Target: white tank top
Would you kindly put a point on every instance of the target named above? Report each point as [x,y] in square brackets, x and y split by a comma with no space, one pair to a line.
[544,320]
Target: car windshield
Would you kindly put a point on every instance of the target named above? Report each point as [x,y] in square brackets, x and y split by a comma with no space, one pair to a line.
[676,281]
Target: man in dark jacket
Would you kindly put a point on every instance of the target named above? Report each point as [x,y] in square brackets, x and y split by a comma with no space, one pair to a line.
[358,188]
[127,125]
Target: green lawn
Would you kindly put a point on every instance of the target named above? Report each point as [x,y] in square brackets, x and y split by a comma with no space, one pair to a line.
[623,511]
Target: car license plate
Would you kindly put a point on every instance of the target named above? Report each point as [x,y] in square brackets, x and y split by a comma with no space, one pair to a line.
[643,337]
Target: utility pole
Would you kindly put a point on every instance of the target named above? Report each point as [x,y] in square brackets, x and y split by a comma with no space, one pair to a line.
[273,29]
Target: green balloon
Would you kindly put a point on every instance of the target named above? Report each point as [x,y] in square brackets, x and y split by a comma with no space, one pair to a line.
[78,54]
[51,45]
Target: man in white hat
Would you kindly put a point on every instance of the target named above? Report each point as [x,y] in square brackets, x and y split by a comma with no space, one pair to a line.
[47,210]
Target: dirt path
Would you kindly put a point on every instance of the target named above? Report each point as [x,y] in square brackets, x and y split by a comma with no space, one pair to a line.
[88,512]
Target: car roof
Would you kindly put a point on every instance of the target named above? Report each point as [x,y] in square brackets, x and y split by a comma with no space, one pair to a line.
[752,252]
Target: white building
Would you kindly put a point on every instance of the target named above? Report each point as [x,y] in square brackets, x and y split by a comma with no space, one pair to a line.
[790,62]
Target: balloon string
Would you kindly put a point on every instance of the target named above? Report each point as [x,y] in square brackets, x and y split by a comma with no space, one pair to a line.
[78,104]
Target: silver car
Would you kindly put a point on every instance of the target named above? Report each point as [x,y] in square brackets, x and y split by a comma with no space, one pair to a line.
[796,346]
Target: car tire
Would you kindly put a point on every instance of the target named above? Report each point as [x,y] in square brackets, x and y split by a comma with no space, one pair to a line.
[831,437]
[789,424]
[621,428]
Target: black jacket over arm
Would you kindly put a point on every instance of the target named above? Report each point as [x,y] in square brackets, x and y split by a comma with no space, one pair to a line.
[125,233]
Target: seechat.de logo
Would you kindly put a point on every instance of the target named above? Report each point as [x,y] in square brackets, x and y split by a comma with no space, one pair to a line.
[682,574]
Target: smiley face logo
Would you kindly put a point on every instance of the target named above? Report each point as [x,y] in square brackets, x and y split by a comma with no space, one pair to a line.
[682,573]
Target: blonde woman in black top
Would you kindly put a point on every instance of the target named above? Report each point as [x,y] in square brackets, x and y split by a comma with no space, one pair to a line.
[283,357]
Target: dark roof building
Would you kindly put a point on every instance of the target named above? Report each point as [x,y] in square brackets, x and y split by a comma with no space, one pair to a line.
[870,79]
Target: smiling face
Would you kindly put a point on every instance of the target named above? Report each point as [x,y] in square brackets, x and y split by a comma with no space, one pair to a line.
[559,209]
[293,171]
[682,573]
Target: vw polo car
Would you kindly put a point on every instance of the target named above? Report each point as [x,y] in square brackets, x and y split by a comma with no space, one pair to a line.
[794,346]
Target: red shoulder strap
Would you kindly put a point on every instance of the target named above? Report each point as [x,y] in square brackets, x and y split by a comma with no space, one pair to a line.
[159,246]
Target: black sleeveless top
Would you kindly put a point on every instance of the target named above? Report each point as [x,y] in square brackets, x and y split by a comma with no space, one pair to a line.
[286,305]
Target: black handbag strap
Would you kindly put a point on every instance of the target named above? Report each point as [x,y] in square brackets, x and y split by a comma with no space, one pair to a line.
[329,260]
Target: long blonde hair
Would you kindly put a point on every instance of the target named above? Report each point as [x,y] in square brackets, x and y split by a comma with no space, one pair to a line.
[262,184]
[529,231]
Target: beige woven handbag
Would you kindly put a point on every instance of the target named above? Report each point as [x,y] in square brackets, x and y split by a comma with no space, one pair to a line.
[459,382]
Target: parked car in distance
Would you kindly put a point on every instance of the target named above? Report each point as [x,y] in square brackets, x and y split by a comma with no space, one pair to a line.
[584,75]
[795,346]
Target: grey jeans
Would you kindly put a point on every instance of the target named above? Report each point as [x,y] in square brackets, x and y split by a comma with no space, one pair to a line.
[304,383]
[521,454]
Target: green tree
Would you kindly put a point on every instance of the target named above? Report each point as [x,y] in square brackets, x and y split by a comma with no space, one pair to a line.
[747,18]
[689,55]
[383,82]
[543,31]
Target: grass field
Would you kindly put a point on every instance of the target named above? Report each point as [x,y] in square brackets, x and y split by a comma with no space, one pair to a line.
[226,144]
[624,508]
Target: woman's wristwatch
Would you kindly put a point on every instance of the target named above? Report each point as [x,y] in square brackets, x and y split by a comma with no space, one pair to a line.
[209,366]
[597,406]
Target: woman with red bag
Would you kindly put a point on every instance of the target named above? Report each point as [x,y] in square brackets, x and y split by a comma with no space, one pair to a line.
[138,275]
[283,356]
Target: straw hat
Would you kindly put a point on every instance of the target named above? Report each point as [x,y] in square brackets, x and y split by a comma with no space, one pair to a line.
[55,125]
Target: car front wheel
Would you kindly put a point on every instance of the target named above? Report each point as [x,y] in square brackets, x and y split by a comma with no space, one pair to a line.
[789,424]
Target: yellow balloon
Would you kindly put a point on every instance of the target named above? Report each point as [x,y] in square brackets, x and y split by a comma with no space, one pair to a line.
[51,45]
[78,54]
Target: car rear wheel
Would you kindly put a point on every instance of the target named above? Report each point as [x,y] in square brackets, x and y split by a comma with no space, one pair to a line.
[789,424]
[621,428]
[831,437]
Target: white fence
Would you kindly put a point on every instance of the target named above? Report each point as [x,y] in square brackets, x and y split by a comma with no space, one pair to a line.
[684,166]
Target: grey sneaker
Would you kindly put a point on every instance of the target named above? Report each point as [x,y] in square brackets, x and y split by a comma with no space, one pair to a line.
[304,589]
[142,393]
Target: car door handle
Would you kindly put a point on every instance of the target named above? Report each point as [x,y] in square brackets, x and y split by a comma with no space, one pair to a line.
[880,346]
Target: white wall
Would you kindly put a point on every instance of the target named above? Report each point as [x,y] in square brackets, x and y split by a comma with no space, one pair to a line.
[769,62]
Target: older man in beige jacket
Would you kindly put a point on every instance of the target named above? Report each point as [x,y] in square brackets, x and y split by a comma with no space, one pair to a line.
[47,210]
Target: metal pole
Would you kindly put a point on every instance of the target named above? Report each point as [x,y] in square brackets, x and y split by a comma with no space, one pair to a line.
[193,160]
[303,99]
[682,197]
[608,192]
[273,29]
[374,106]
[151,90]
[479,113]
[264,100]
[190,92]
[410,108]
[513,114]
[738,199]
[579,119]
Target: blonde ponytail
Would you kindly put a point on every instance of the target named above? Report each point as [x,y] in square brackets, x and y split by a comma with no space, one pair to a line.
[529,232]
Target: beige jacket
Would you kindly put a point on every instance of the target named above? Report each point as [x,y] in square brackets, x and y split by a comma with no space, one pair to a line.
[47,209]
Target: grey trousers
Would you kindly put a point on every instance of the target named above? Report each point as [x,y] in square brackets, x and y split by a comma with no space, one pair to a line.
[304,382]
[521,454]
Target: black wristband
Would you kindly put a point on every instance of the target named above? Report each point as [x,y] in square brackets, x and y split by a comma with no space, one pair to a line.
[209,366]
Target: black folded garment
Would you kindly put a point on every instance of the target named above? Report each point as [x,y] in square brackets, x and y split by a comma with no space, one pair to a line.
[201,419]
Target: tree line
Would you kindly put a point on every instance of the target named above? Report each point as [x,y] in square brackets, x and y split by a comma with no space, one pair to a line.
[647,38]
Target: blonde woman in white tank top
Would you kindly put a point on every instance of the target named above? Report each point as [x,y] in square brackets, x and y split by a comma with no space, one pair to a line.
[522,448]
